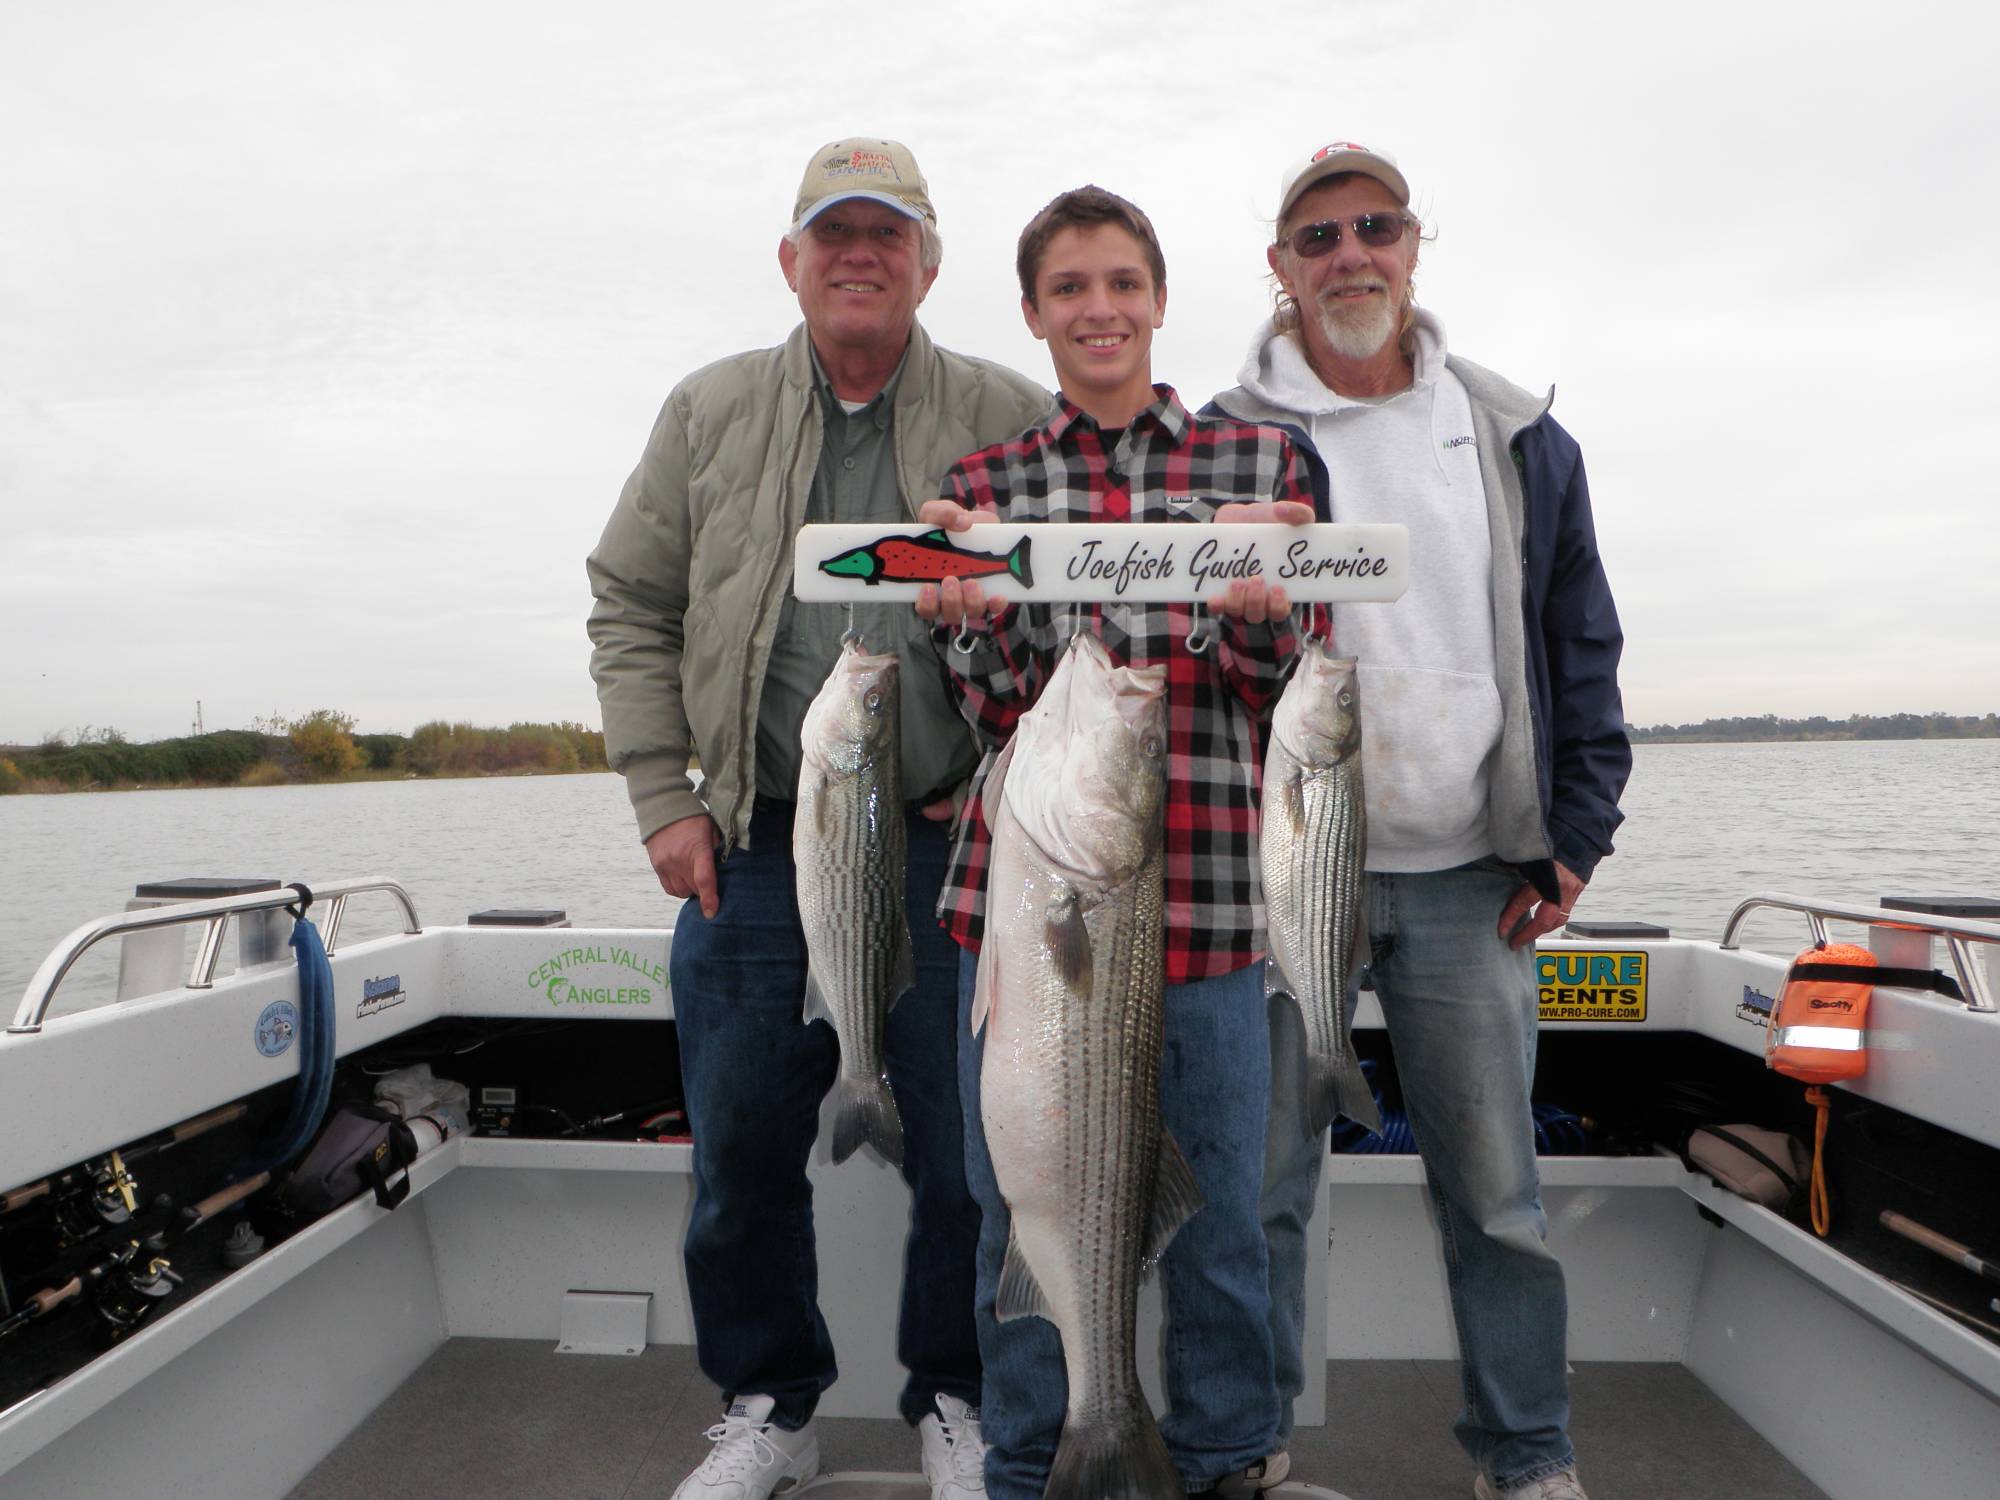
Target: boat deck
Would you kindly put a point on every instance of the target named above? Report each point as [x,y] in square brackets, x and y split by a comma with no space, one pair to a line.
[489,1417]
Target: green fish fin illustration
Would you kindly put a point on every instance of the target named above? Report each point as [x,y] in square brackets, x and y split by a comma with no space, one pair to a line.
[1176,1197]
[1017,564]
[858,562]
[940,535]
[1019,1294]
[865,1110]
[817,1008]
[1068,940]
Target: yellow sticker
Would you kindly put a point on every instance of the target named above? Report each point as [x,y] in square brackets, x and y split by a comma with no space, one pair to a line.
[1578,986]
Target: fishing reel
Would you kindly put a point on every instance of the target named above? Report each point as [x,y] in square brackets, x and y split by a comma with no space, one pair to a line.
[132,1283]
[105,1196]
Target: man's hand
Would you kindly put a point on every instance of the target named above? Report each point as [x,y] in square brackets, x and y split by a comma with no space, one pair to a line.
[683,856]
[1284,512]
[1526,916]
[1251,600]
[955,600]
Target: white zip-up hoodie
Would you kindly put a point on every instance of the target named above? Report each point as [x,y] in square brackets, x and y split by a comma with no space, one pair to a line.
[1430,709]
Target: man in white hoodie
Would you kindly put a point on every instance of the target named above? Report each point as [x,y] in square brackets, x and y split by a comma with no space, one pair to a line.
[1494,752]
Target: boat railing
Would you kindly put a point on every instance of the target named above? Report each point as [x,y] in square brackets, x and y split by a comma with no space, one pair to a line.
[1959,934]
[214,915]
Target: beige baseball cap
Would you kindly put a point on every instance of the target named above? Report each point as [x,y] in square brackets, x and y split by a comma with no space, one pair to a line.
[1341,156]
[863,167]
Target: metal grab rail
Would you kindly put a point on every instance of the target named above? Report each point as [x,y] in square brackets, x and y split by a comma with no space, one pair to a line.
[41,990]
[1959,933]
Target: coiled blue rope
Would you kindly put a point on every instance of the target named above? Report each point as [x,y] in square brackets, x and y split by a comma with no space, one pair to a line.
[316,1046]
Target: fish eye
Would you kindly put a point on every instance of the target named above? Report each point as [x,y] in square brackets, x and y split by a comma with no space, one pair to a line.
[874,699]
[1346,698]
[1151,748]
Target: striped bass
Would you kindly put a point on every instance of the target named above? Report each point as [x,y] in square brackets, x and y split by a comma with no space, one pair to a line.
[1071,994]
[849,843]
[1312,845]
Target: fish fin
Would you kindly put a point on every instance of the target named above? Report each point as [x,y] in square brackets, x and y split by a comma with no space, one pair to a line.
[865,1110]
[1019,1295]
[1291,801]
[1017,564]
[939,535]
[902,977]
[996,782]
[1176,1197]
[1357,1100]
[1125,1460]
[1361,951]
[817,1007]
[822,809]
[1068,942]
[984,980]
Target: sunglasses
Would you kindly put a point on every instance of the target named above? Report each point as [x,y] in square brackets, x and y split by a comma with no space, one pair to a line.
[1377,231]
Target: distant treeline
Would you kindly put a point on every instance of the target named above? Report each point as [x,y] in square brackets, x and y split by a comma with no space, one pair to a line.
[319,746]
[1818,727]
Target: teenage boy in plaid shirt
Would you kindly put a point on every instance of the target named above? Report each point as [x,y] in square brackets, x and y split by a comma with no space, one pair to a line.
[1093,284]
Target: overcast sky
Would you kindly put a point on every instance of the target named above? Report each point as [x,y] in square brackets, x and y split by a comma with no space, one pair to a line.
[328,333]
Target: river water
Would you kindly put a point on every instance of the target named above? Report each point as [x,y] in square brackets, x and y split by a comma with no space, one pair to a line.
[1706,825]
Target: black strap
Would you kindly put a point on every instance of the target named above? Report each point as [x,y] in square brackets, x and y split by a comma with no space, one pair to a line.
[1730,1138]
[391,1156]
[1880,977]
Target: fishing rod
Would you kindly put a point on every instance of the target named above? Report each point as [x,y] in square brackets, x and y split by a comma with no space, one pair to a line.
[129,1283]
[102,1193]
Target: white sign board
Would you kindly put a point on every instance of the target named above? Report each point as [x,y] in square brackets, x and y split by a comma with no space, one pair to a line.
[1147,562]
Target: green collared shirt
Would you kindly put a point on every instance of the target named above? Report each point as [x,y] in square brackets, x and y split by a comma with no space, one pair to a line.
[855,482]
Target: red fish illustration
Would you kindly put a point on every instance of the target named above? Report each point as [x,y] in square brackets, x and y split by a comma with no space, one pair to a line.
[926,559]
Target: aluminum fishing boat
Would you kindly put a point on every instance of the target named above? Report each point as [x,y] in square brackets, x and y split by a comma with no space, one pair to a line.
[518,1323]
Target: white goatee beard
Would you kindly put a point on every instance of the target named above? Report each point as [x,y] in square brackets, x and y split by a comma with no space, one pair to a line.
[1358,332]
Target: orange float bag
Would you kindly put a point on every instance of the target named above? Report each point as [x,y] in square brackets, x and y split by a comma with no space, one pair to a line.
[1818,1030]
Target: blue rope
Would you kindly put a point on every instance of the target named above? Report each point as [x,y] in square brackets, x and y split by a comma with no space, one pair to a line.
[316,1049]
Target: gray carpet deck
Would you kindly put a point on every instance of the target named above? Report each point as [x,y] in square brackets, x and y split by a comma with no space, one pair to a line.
[486,1417]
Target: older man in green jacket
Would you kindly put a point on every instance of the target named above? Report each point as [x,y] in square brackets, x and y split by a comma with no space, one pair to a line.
[702,651]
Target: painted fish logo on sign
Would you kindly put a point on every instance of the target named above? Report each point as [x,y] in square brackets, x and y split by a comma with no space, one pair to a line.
[926,559]
[1591,986]
[563,987]
[379,995]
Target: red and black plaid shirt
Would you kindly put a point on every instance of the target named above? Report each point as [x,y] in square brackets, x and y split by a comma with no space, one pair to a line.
[1167,466]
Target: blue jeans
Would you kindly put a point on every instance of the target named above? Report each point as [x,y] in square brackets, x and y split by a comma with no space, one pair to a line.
[1215,1074]
[754,1075]
[1460,1008]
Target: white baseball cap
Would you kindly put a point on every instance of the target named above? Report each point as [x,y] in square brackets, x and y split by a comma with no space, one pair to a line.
[1336,157]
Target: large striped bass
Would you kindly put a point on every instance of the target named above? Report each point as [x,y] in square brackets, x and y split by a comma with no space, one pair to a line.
[1312,844]
[1071,990]
[849,843]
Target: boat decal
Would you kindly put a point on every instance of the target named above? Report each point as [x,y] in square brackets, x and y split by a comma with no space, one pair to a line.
[1591,986]
[379,995]
[575,977]
[277,1028]
[1755,1007]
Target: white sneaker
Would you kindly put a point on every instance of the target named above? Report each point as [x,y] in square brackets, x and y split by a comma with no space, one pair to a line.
[751,1459]
[1562,1486]
[954,1453]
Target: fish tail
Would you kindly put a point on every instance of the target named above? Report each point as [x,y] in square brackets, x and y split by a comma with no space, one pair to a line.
[1337,1086]
[1125,1462]
[865,1110]
[1017,564]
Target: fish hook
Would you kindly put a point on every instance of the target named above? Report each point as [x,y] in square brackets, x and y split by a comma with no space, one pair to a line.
[1202,635]
[852,635]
